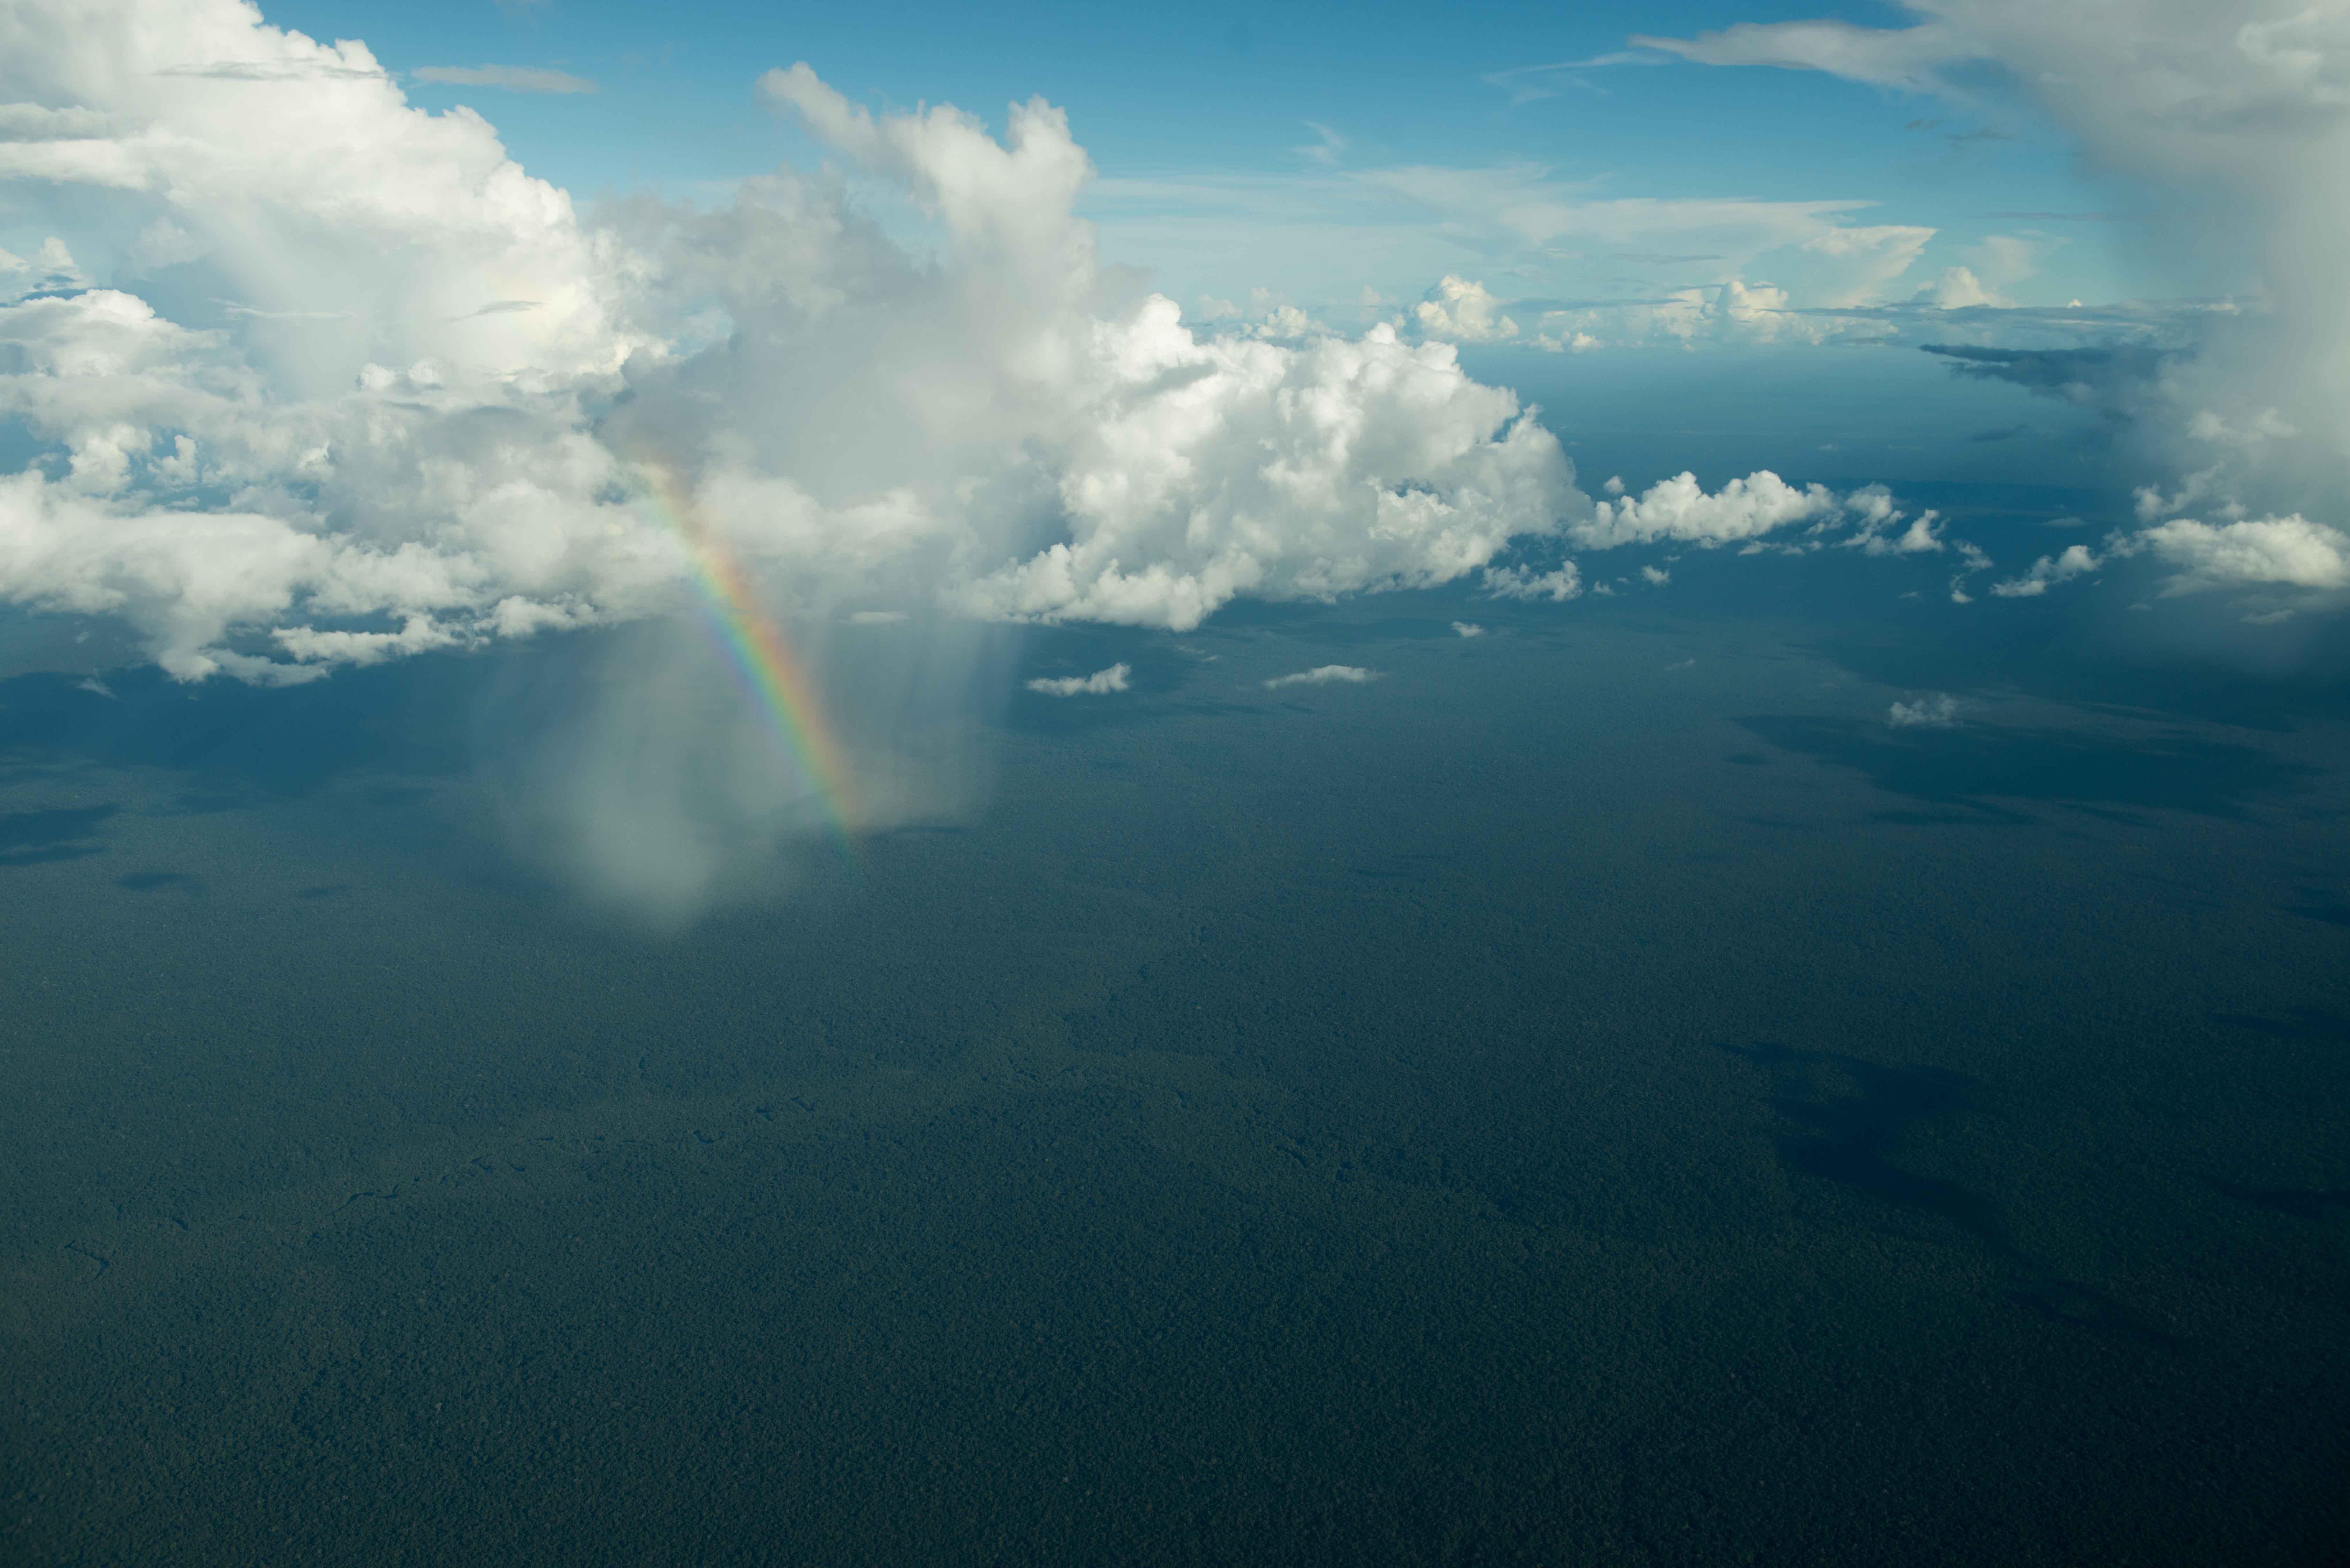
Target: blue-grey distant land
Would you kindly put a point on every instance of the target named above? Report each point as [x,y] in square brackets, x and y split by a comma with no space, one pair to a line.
[1045,786]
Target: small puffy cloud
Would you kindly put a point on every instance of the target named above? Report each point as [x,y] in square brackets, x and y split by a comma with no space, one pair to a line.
[1877,535]
[1681,509]
[1325,675]
[2048,571]
[1467,628]
[1935,712]
[1971,560]
[1919,538]
[1458,311]
[1557,586]
[1101,682]
[1656,576]
[511,78]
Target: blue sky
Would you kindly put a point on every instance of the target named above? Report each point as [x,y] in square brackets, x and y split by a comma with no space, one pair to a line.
[1234,148]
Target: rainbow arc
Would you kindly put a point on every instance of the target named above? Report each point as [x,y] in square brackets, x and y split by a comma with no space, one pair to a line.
[773,676]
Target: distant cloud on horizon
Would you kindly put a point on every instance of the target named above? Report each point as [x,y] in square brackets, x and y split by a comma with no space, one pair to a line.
[1326,675]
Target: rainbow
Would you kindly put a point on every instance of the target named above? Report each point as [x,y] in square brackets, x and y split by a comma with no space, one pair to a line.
[775,679]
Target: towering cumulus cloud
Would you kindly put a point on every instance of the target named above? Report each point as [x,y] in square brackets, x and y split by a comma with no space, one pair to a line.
[2231,119]
[363,387]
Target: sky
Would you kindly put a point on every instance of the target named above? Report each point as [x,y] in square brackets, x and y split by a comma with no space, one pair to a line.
[342,334]
[1350,784]
[1304,140]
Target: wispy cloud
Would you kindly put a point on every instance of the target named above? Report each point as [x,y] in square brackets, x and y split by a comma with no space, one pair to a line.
[512,79]
[234,308]
[1527,84]
[1326,675]
[1326,150]
[2060,217]
[270,71]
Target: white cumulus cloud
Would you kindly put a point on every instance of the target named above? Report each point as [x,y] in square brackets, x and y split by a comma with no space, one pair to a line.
[431,405]
[409,438]
[1325,675]
[1458,311]
[1558,585]
[1681,509]
[1099,684]
[2265,552]
[2047,571]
